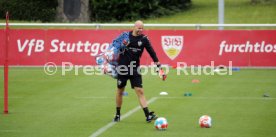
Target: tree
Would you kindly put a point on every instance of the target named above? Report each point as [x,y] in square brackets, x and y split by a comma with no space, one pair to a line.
[32,10]
[73,11]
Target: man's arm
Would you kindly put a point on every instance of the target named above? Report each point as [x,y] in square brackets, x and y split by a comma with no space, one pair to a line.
[151,51]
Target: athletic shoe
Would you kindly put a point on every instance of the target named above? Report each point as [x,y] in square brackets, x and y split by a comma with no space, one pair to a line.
[116,118]
[151,117]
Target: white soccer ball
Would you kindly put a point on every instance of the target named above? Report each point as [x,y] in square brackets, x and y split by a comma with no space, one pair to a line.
[109,70]
[100,60]
[111,56]
[205,121]
[161,123]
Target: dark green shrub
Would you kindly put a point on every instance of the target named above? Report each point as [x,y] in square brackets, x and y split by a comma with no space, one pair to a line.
[119,10]
[31,10]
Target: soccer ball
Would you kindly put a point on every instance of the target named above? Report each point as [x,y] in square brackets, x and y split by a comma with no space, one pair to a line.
[100,60]
[111,55]
[109,70]
[205,121]
[161,123]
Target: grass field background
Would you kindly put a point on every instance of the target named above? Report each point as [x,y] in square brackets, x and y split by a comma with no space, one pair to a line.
[236,11]
[70,105]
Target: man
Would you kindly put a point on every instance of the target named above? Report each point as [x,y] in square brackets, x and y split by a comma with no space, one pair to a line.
[130,58]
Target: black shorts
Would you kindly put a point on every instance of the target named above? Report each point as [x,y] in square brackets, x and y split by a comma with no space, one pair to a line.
[135,81]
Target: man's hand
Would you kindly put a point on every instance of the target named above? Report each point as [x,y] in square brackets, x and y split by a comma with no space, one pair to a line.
[125,42]
[160,71]
[162,74]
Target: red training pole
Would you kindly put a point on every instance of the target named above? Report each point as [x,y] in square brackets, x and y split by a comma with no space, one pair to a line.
[6,66]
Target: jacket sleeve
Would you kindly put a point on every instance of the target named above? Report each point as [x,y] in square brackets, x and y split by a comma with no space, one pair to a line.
[150,50]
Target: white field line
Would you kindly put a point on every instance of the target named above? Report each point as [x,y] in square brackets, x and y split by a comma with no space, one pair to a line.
[221,98]
[109,125]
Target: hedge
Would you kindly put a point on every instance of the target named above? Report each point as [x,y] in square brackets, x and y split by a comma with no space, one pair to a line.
[31,10]
[100,10]
[120,10]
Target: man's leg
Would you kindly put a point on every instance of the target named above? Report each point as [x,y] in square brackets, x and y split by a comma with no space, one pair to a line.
[121,83]
[119,102]
[140,94]
[143,102]
[119,97]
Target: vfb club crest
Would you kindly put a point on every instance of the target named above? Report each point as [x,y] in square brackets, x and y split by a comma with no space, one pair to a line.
[172,45]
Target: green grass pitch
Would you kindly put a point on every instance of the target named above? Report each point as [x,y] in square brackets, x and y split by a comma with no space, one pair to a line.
[77,106]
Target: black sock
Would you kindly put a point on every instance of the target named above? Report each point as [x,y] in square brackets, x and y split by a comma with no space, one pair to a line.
[118,110]
[146,111]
